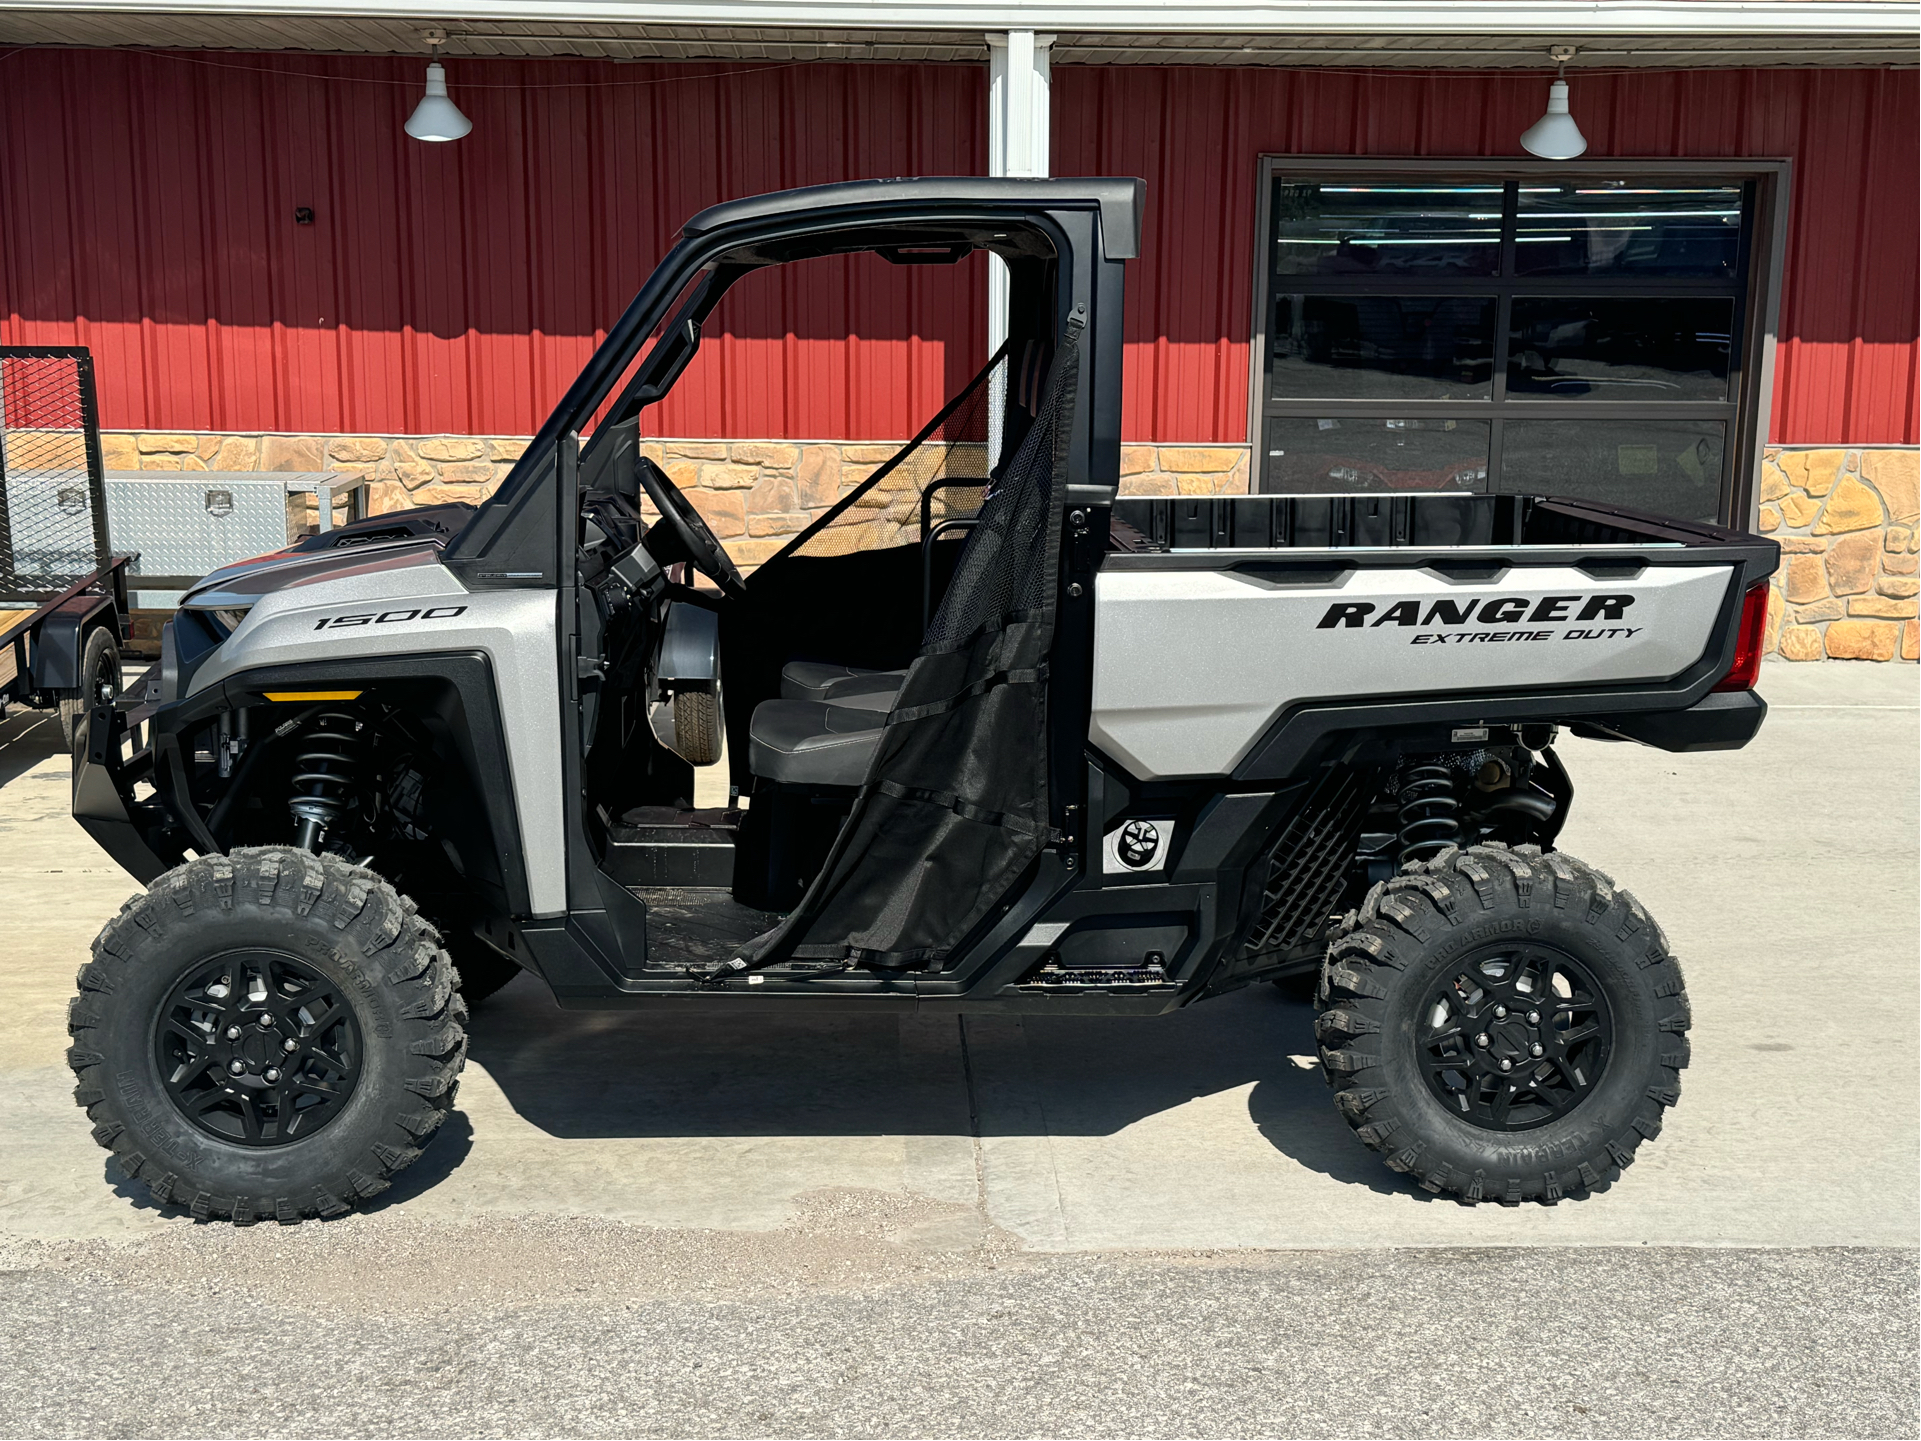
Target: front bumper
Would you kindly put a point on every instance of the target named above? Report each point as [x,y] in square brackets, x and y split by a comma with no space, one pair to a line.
[143,835]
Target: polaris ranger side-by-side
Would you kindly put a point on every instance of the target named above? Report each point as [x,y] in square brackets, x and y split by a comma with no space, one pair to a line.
[1002,740]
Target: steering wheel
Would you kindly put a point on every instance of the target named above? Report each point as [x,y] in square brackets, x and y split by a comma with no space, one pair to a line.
[706,553]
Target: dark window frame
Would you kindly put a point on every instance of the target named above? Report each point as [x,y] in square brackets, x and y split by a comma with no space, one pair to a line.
[1756,292]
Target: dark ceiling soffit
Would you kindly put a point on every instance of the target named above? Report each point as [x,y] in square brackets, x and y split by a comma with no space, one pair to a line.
[1118,200]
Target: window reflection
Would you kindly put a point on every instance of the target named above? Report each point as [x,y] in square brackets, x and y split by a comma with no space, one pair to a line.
[1613,228]
[1386,347]
[1342,229]
[1323,456]
[1632,348]
[1671,467]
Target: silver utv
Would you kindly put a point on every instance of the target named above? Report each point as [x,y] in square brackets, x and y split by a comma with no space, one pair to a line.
[996,738]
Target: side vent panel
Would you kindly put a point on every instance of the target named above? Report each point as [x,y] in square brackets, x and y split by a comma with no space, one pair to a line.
[1303,875]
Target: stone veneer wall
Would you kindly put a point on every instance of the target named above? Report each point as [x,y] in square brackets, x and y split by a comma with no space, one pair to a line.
[1846,522]
[1845,516]
[755,494]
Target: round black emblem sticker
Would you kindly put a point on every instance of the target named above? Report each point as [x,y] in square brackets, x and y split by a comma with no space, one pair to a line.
[1140,842]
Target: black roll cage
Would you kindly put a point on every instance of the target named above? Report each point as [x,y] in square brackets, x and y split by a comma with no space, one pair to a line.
[525,536]
[517,539]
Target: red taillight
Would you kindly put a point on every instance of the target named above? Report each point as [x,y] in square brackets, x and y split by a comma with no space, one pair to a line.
[1746,669]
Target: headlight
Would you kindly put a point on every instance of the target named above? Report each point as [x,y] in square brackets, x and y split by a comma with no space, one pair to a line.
[188,639]
[221,620]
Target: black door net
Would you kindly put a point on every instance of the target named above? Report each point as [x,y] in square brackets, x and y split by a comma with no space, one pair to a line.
[955,803]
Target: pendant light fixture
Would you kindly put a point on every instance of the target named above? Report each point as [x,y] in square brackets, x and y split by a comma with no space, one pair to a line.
[1555,136]
[436,117]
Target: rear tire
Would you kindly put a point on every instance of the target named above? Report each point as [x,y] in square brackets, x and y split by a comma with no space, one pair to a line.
[270,1034]
[1493,955]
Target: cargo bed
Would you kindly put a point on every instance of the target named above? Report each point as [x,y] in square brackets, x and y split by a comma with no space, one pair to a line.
[1231,631]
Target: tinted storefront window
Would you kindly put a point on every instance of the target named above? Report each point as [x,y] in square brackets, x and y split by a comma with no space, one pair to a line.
[1446,333]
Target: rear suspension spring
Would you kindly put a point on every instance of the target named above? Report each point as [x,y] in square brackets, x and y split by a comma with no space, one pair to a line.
[1430,813]
[325,771]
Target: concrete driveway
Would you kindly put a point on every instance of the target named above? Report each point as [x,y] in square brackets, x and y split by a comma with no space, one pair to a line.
[908,1152]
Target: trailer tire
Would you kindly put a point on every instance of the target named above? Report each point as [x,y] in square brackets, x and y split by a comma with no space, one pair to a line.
[268,958]
[1441,1060]
[99,667]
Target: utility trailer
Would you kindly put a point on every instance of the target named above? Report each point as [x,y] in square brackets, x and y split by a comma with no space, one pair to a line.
[63,592]
[1004,741]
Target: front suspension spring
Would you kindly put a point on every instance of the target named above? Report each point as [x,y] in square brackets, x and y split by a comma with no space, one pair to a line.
[325,772]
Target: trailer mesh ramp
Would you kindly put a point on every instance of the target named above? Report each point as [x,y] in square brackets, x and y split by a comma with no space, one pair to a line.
[53,508]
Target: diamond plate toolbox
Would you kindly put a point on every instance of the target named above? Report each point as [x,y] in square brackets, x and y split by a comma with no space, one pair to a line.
[192,523]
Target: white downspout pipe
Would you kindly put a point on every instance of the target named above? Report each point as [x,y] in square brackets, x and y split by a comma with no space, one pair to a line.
[1018,124]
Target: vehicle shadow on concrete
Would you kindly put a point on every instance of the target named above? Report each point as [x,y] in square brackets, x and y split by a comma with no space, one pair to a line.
[28,737]
[597,1074]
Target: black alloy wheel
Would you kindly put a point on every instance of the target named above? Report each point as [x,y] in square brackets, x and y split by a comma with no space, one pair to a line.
[267,1034]
[1503,1024]
[1516,1037]
[257,1048]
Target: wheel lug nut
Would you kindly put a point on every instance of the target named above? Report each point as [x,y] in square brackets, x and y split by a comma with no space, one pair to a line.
[233,1033]
[1507,1065]
[272,1075]
[1535,1049]
[237,1068]
[1481,1040]
[266,1023]
[290,1044]
[1534,1018]
[1500,1013]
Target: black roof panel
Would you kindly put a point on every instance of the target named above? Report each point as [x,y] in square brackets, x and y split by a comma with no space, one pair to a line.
[1119,201]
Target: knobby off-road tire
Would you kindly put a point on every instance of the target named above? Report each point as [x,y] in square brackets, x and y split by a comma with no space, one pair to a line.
[1402,971]
[346,975]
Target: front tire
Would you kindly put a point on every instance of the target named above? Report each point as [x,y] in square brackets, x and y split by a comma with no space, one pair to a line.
[1503,1024]
[268,1034]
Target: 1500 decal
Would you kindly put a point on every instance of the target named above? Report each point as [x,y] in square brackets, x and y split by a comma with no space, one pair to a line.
[389,617]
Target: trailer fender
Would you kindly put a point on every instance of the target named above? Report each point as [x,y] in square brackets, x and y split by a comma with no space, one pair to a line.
[60,641]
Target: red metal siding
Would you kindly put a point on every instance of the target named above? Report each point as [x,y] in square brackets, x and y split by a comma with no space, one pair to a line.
[147,201]
[1848,361]
[146,206]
